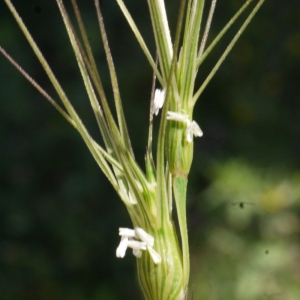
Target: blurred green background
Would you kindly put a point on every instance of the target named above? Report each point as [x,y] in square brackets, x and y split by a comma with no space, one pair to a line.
[59,217]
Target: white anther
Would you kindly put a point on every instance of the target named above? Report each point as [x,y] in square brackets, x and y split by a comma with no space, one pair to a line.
[192,128]
[136,245]
[137,252]
[126,232]
[174,116]
[158,101]
[155,256]
[144,236]
[139,240]
[121,250]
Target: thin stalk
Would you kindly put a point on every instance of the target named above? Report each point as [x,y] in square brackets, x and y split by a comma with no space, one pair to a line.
[91,66]
[150,132]
[71,111]
[207,27]
[110,129]
[86,71]
[140,41]
[38,87]
[226,52]
[114,81]
[202,57]
[189,52]
[105,168]
[162,35]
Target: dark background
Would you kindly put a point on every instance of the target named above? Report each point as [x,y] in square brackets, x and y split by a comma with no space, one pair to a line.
[59,217]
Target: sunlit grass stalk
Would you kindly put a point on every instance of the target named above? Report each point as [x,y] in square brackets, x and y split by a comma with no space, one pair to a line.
[163,263]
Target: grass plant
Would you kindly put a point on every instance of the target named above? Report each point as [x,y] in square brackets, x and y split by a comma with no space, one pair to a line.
[148,193]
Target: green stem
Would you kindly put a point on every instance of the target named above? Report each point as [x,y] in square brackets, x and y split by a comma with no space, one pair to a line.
[179,189]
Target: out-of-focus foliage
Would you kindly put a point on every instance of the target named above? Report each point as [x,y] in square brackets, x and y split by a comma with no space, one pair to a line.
[251,233]
[59,217]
